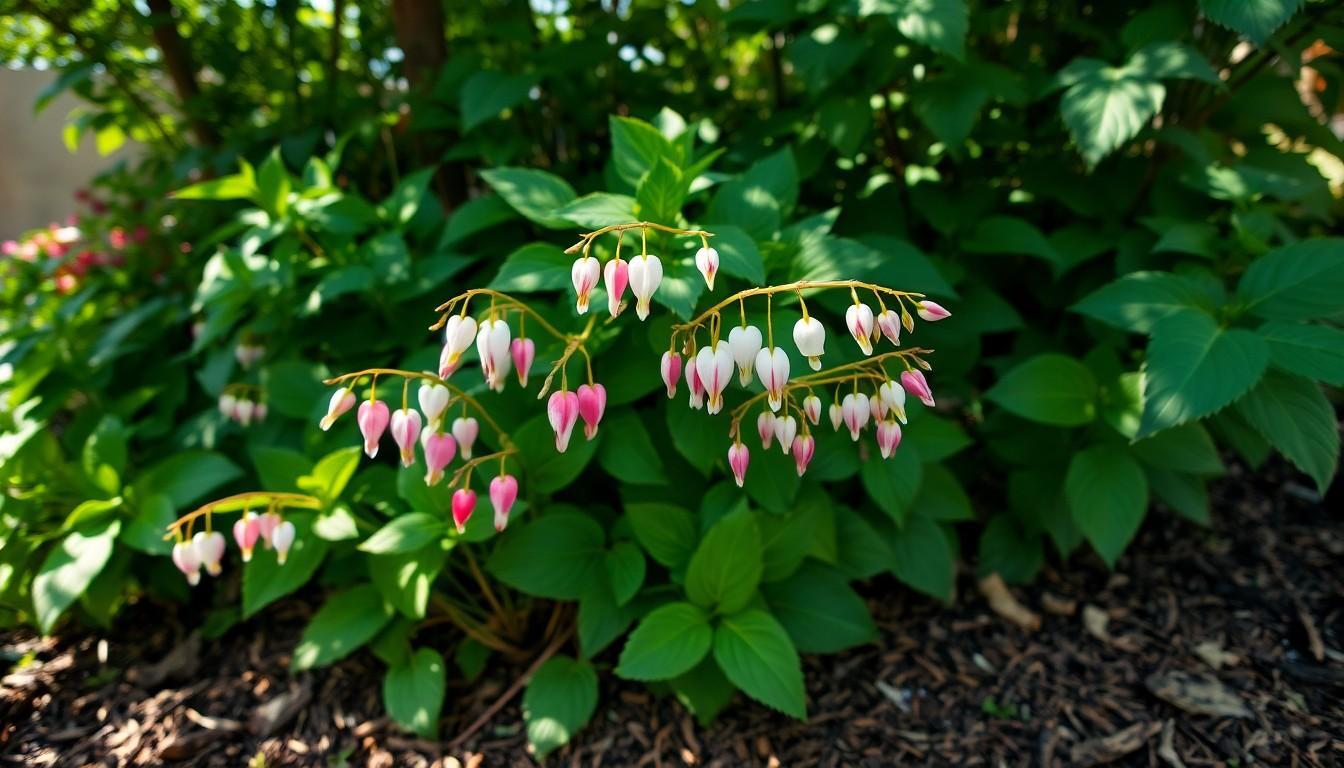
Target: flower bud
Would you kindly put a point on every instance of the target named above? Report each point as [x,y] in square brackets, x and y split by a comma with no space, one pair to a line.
[707,261]
[837,415]
[696,386]
[765,427]
[915,384]
[592,404]
[246,531]
[803,449]
[786,428]
[859,319]
[931,311]
[503,493]
[184,557]
[890,324]
[562,410]
[458,333]
[524,351]
[812,409]
[738,458]
[670,367]
[439,451]
[406,431]
[856,412]
[372,417]
[893,396]
[464,503]
[888,437]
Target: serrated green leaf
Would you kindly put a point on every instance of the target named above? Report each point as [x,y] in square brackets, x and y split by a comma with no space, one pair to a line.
[1195,368]
[726,567]
[668,642]
[1296,418]
[1107,495]
[755,653]
[819,610]
[1051,388]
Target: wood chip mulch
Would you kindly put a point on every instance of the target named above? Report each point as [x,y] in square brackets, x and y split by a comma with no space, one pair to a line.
[1221,646]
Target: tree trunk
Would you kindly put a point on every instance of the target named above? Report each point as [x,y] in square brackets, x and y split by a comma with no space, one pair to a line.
[420,30]
[181,69]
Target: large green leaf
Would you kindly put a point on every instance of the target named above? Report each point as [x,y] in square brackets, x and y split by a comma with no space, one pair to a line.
[636,148]
[1195,368]
[535,194]
[1296,282]
[755,653]
[186,476]
[1007,549]
[668,642]
[819,610]
[922,557]
[487,93]
[1314,351]
[726,567]
[598,210]
[631,458]
[893,483]
[1107,495]
[265,580]
[667,532]
[1051,388]
[1187,448]
[69,569]
[1108,107]
[939,24]
[404,533]
[560,699]
[406,578]
[548,470]
[1296,418]
[661,192]
[1137,301]
[345,622]
[558,556]
[534,267]
[413,692]
[1256,19]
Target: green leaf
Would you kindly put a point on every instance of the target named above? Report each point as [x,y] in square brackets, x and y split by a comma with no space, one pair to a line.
[1185,494]
[534,267]
[186,476]
[661,192]
[893,483]
[1296,418]
[547,469]
[922,557]
[777,174]
[601,620]
[632,458]
[534,194]
[755,653]
[773,481]
[625,570]
[69,568]
[1187,448]
[474,216]
[145,531]
[279,468]
[705,691]
[941,496]
[668,533]
[404,533]
[726,567]
[1171,60]
[104,455]
[241,186]
[332,473]
[413,692]
[1009,551]
[405,579]
[1296,282]
[345,622]
[598,210]
[939,24]
[668,642]
[824,55]
[1052,389]
[738,254]
[786,538]
[1195,368]
[819,610]
[1256,19]
[273,185]
[1009,234]
[747,206]
[265,580]
[1314,351]
[1107,495]
[336,524]
[1108,107]
[558,556]
[636,148]
[949,107]
[1137,301]
[560,699]
[487,93]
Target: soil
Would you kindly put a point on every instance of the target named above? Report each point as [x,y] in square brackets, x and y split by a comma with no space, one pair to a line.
[1205,646]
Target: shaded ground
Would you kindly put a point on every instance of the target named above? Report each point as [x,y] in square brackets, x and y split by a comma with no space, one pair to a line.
[1246,620]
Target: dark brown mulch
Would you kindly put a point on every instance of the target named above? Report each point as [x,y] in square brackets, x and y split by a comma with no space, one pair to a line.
[1204,647]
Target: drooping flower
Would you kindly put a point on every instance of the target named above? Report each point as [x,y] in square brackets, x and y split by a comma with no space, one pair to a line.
[259,412]
[184,557]
[707,261]
[372,417]
[562,410]
[859,319]
[837,415]
[915,384]
[856,413]
[465,430]
[503,493]
[458,333]
[464,503]
[646,272]
[592,404]
[584,274]
[228,406]
[433,402]
[772,365]
[877,408]
[893,395]
[786,429]
[931,311]
[765,427]
[243,411]
[890,324]
[266,527]
[282,538]
[439,448]
[615,278]
[246,531]
[492,345]
[209,549]
[745,343]
[405,431]
[810,336]
[812,409]
[524,351]
[696,387]
[804,446]
[670,367]
[888,437]
[738,458]
[714,367]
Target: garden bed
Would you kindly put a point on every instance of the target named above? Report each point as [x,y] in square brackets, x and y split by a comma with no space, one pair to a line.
[1246,619]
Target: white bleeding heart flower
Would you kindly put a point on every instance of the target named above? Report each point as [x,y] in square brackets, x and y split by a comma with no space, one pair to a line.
[812,409]
[786,428]
[228,406]
[889,323]
[856,413]
[877,408]
[244,411]
[458,334]
[492,345]
[406,431]
[738,458]
[465,430]
[707,261]
[714,367]
[837,415]
[859,319]
[810,336]
[282,539]
[888,437]
[745,342]
[209,549]
[670,368]
[184,557]
[893,395]
[804,447]
[765,427]
[584,275]
[433,402]
[646,273]
[772,365]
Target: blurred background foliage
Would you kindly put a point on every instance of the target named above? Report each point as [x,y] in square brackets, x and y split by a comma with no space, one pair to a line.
[1126,206]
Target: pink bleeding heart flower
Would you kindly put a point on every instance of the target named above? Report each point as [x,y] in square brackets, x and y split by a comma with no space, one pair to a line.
[439,451]
[837,415]
[342,400]
[373,417]
[803,449]
[184,557]
[859,319]
[786,429]
[584,275]
[765,427]
[856,413]
[259,412]
[405,431]
[246,531]
[772,366]
[464,503]
[465,430]
[615,278]
[282,538]
[503,493]
[696,386]
[209,549]
[524,351]
[266,526]
[562,410]
[812,409]
[448,363]
[931,311]
[592,404]
[889,323]
[707,261]
[714,367]
[915,384]
[738,458]
[893,397]
[670,367]
[888,437]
